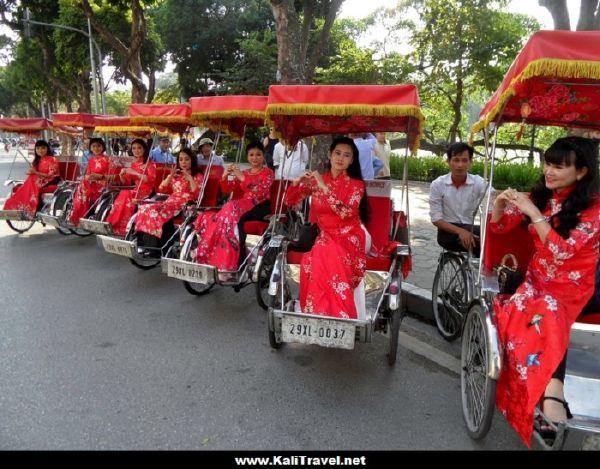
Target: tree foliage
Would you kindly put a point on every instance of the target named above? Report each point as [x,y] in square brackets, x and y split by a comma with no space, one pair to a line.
[213,42]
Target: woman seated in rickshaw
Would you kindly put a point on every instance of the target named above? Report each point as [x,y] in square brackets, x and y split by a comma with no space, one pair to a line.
[96,177]
[221,238]
[183,186]
[335,266]
[142,174]
[44,171]
[563,213]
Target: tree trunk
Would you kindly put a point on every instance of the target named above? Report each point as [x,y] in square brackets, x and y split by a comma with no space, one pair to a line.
[560,13]
[290,57]
[589,16]
[131,63]
[151,86]
[456,107]
[334,7]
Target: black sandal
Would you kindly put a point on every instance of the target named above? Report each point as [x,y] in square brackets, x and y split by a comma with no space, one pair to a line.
[552,433]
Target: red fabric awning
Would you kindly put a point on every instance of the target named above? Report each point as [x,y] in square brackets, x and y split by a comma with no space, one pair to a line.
[299,111]
[120,125]
[74,119]
[229,114]
[555,80]
[25,125]
[176,117]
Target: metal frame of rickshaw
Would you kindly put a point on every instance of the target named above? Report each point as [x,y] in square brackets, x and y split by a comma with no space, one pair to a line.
[19,216]
[62,201]
[175,118]
[383,289]
[111,126]
[481,355]
[224,115]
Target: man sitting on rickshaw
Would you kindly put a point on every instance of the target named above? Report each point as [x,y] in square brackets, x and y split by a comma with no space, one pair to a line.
[453,199]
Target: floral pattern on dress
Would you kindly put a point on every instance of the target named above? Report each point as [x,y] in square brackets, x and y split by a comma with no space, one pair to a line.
[335,265]
[218,237]
[151,217]
[27,197]
[535,322]
[87,191]
[123,206]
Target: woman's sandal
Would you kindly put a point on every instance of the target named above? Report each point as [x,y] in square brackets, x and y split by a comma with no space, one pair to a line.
[549,430]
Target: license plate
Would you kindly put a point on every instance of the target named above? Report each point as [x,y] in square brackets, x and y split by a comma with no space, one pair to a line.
[117,246]
[50,220]
[96,226]
[323,332]
[190,272]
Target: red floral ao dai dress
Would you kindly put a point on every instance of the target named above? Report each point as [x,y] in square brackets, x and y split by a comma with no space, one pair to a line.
[151,218]
[218,237]
[27,197]
[336,264]
[87,191]
[123,207]
[534,324]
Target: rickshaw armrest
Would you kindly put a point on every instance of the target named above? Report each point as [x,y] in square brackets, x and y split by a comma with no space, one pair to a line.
[9,182]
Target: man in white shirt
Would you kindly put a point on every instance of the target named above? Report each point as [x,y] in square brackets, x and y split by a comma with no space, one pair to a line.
[453,199]
[382,151]
[295,162]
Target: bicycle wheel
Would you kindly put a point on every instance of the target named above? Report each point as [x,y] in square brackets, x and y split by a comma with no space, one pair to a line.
[189,246]
[20,226]
[449,296]
[394,320]
[140,262]
[61,209]
[478,390]
[264,277]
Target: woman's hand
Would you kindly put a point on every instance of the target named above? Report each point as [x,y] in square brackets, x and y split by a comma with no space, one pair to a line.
[307,176]
[30,171]
[319,180]
[522,202]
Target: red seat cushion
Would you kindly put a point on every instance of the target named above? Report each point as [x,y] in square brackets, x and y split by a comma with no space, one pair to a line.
[294,257]
[379,263]
[517,242]
[49,189]
[255,227]
[593,318]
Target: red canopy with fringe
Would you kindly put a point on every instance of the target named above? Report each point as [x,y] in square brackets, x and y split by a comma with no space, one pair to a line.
[229,114]
[555,80]
[25,125]
[74,119]
[120,125]
[298,111]
[175,117]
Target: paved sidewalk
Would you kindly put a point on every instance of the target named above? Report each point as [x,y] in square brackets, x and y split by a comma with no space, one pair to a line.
[422,234]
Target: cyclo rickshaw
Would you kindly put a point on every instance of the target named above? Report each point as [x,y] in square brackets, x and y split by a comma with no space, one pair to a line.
[175,118]
[62,202]
[19,220]
[301,111]
[111,126]
[229,115]
[554,81]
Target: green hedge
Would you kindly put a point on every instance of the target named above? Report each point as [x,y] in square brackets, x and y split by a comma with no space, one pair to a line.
[519,176]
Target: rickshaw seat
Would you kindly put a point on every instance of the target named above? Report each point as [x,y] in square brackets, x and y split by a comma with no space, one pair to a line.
[68,170]
[379,224]
[258,227]
[162,171]
[517,242]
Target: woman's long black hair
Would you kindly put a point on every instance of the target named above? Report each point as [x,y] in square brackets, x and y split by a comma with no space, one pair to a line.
[583,153]
[36,157]
[143,143]
[354,172]
[188,151]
